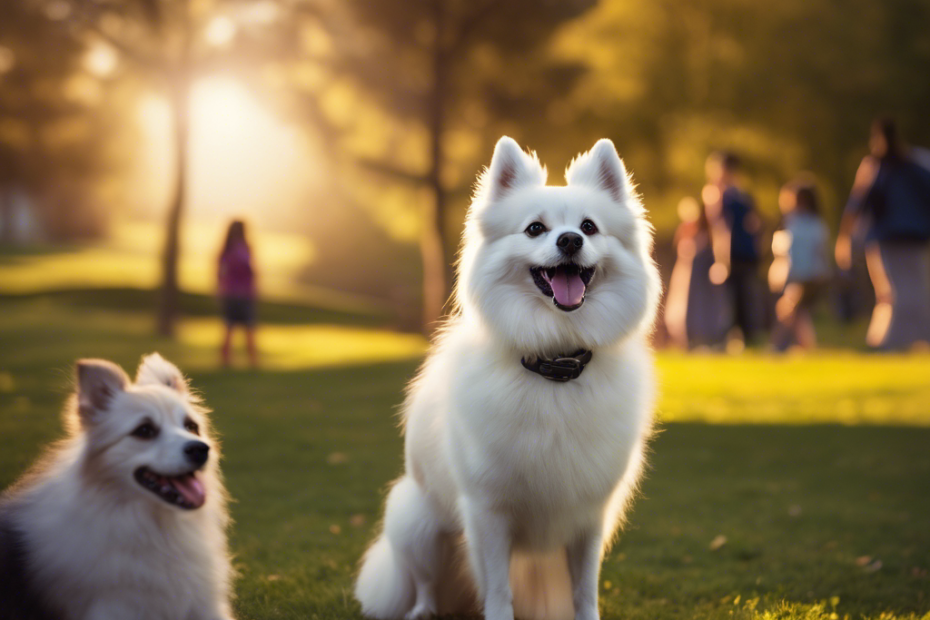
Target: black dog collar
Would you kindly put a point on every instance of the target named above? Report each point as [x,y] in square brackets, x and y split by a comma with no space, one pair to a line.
[563,368]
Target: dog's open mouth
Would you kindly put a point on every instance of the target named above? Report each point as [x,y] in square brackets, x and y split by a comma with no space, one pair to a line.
[185,491]
[565,284]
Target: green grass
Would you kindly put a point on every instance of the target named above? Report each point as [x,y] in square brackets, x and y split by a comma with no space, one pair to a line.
[816,471]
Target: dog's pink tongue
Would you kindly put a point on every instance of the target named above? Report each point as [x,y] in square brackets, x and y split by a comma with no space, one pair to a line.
[567,288]
[191,488]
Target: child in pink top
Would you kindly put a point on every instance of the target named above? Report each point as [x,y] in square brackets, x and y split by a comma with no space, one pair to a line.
[237,289]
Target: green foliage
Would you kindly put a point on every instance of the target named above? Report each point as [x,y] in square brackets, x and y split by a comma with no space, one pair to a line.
[53,129]
[792,86]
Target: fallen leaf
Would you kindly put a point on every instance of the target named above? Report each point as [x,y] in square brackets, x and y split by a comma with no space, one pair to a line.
[718,542]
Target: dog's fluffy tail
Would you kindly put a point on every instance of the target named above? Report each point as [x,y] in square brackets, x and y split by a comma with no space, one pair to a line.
[541,586]
[384,587]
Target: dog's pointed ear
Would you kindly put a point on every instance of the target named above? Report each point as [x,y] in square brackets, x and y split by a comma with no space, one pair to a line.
[99,381]
[511,168]
[601,168]
[156,370]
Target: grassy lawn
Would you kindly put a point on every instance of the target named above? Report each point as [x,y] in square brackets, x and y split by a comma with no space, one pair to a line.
[779,487]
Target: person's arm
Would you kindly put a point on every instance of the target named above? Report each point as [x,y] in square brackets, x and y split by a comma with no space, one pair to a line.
[865,177]
[843,251]
[719,233]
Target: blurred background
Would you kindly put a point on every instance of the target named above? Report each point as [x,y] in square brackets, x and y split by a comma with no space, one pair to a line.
[348,134]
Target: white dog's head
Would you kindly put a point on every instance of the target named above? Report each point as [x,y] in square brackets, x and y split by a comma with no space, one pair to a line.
[554,269]
[147,440]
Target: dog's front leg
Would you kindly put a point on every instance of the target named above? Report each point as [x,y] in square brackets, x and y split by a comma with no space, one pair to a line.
[487,534]
[584,564]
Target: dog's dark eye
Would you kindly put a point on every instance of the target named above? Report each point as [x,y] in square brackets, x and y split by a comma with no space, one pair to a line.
[146,430]
[535,229]
[588,227]
[191,426]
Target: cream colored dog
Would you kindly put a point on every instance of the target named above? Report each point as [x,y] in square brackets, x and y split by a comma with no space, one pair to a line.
[127,518]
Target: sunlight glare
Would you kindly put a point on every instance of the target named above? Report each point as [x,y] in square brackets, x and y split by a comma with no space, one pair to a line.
[101,60]
[243,160]
[220,31]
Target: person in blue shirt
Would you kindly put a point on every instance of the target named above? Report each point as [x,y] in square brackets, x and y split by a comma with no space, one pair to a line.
[801,268]
[890,201]
[735,227]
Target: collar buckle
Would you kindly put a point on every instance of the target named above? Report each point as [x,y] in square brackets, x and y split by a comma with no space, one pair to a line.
[562,368]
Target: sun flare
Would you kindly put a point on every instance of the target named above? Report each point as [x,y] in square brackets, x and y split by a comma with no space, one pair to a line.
[243,160]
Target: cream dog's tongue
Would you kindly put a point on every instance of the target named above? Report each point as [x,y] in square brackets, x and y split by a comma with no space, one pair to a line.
[567,288]
[191,488]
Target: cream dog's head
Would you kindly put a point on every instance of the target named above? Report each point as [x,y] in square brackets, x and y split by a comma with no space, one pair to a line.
[147,439]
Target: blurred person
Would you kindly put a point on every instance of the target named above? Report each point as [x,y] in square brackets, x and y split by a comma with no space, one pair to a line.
[697,312]
[735,227]
[891,198]
[801,267]
[237,290]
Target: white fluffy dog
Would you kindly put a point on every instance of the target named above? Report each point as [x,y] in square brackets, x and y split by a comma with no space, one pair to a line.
[526,428]
[126,519]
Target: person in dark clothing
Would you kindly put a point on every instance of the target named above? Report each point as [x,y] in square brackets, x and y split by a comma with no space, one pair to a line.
[735,227]
[891,197]
[697,311]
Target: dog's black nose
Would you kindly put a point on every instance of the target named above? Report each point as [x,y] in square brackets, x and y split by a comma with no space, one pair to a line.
[570,242]
[197,452]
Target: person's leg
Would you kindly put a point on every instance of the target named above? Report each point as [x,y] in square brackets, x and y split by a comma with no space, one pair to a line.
[805,335]
[784,333]
[733,298]
[250,345]
[227,341]
[884,297]
[743,275]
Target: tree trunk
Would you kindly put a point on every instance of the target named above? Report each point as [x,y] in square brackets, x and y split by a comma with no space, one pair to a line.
[7,219]
[432,240]
[180,107]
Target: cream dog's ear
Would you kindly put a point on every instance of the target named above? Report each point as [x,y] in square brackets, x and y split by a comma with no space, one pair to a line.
[99,382]
[510,169]
[601,168]
[156,370]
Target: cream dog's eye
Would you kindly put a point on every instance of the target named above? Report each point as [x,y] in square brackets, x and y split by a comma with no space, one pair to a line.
[146,430]
[535,229]
[191,426]
[588,227]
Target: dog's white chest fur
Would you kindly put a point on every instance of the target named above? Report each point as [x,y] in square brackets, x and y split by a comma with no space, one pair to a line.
[547,453]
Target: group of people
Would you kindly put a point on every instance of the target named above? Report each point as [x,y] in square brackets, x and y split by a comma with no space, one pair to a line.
[716,295]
